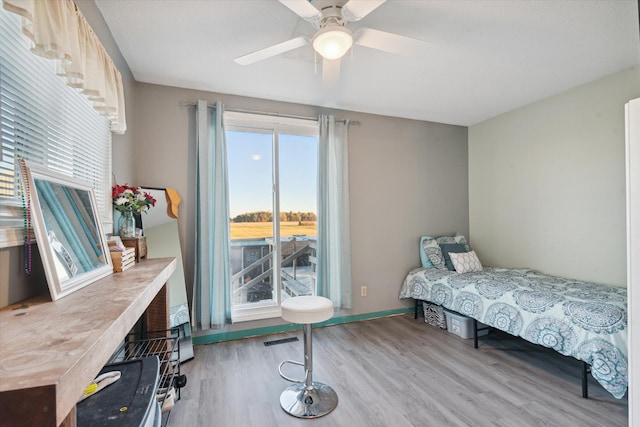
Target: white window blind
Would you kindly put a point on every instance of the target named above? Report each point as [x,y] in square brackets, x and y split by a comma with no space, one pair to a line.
[46,122]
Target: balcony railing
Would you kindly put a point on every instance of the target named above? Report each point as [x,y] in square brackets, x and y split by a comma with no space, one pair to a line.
[254,281]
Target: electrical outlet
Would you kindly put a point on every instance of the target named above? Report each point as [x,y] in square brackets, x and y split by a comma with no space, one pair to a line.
[363,291]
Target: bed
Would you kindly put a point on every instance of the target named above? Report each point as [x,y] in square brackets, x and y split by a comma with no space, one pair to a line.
[583,320]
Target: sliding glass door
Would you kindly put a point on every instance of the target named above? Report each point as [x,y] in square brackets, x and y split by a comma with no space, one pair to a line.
[272,211]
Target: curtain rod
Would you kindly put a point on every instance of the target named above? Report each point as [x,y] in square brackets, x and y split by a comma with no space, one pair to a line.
[264,113]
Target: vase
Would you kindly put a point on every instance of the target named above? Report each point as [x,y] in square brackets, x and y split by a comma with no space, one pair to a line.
[127,225]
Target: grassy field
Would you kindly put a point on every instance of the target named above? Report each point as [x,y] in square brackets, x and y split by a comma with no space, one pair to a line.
[249,230]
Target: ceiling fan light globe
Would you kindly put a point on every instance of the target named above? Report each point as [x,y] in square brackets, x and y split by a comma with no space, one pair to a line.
[333,43]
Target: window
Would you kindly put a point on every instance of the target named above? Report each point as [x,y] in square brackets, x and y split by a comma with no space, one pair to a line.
[46,122]
[273,211]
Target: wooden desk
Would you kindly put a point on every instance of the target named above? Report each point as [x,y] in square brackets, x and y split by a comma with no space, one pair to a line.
[50,351]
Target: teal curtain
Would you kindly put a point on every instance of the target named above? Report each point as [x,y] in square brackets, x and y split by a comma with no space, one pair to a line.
[212,303]
[334,236]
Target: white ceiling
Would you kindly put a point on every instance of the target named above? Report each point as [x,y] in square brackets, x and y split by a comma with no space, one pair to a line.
[485,57]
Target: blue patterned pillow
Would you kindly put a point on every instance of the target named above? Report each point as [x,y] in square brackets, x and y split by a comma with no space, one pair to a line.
[434,253]
[424,259]
[431,247]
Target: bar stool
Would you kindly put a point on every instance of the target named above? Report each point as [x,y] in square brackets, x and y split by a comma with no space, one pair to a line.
[306,398]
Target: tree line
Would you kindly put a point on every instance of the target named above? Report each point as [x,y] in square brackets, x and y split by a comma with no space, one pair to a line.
[265,216]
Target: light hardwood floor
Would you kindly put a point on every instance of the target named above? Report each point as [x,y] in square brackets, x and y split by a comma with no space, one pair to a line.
[395,372]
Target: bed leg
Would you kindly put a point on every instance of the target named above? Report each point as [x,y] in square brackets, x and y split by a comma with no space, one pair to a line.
[585,371]
[415,313]
[475,333]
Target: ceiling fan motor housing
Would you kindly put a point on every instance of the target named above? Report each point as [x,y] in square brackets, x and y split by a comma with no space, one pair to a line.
[331,11]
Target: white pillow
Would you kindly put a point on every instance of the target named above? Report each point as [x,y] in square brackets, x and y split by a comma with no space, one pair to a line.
[465,262]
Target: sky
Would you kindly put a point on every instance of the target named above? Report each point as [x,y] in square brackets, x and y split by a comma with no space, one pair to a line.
[250,172]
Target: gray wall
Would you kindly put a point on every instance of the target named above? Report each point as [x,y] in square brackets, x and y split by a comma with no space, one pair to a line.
[408,178]
[547,183]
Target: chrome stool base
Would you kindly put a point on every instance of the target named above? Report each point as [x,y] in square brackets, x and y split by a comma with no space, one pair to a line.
[304,402]
[306,398]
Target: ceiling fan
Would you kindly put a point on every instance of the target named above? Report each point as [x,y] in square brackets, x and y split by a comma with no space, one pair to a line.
[333,38]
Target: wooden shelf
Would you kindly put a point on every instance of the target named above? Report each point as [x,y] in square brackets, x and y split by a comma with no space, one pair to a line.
[50,351]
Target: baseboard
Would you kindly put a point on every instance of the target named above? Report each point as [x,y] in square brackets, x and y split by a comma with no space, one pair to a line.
[211,337]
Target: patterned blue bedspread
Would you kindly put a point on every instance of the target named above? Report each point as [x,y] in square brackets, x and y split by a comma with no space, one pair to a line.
[579,319]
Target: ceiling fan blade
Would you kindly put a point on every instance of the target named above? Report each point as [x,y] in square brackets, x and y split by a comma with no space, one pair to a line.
[355,10]
[389,42]
[304,10]
[330,73]
[270,51]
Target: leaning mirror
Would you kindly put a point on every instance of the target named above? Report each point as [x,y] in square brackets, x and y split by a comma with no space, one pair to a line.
[71,243]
